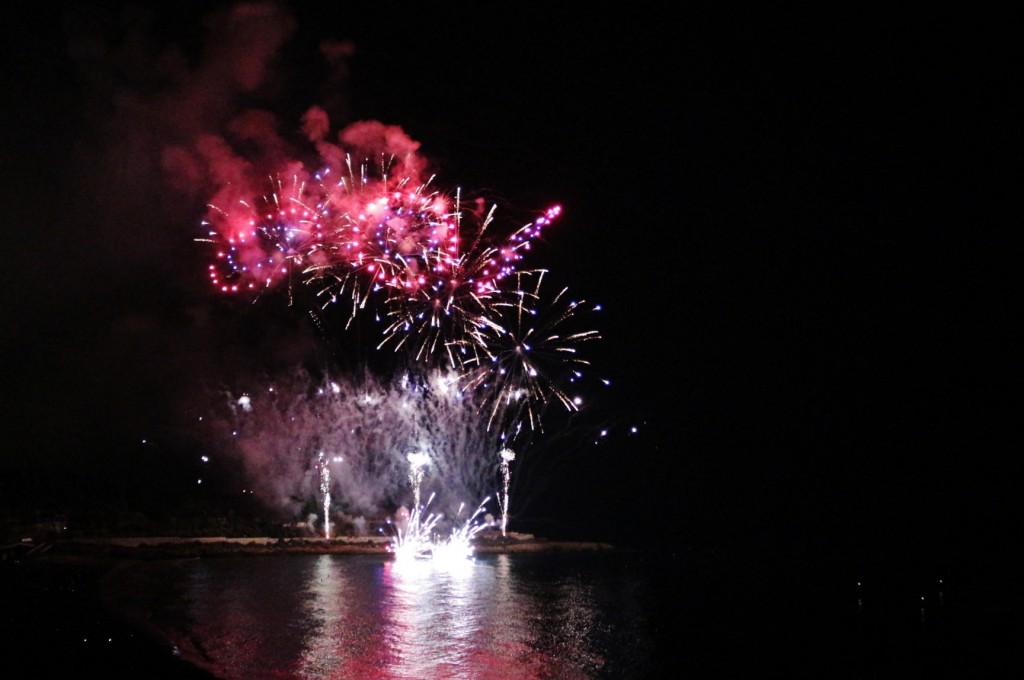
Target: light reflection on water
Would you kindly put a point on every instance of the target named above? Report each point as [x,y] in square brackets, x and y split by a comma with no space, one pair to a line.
[347,616]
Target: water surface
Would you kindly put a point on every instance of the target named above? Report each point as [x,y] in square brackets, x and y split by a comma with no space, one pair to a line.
[366,616]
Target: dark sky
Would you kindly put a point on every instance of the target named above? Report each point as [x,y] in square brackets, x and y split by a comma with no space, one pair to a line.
[799,227]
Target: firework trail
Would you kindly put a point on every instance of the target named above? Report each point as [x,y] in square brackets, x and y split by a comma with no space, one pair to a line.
[417,538]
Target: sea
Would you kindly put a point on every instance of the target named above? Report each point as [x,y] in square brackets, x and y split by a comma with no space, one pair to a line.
[558,614]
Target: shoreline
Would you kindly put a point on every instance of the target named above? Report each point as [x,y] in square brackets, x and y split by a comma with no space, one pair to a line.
[176,547]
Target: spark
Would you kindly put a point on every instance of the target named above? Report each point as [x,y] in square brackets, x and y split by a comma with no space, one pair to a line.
[416,539]
[420,540]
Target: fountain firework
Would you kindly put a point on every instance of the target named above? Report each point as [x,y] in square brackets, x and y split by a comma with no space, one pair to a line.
[276,429]
[507,456]
[417,461]
[416,539]
[459,545]
[419,538]
[325,490]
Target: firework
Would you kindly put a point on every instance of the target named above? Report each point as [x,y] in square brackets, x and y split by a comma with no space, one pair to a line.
[530,353]
[285,435]
[419,538]
[272,239]
[450,308]
[383,234]
[430,267]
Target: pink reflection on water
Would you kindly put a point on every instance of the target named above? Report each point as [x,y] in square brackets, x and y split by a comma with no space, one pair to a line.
[337,617]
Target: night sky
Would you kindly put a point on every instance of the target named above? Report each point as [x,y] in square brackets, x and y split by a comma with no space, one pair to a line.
[799,226]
